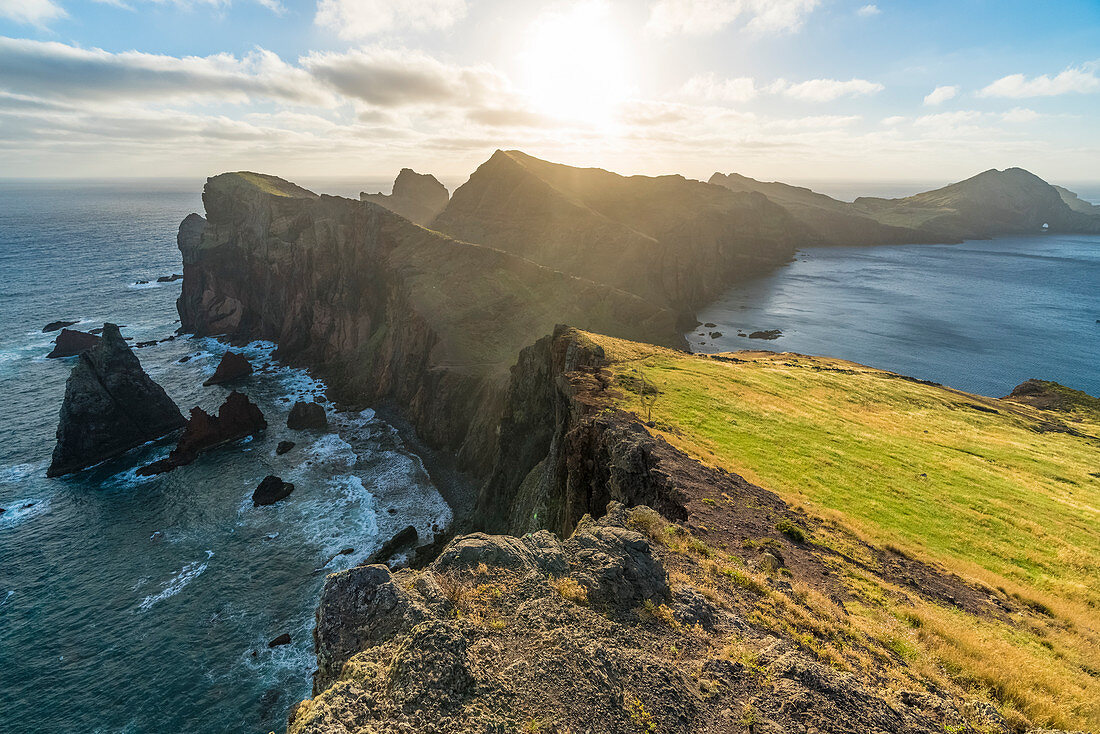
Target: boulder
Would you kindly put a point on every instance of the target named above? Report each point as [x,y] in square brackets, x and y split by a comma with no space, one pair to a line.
[271,490]
[307,416]
[55,325]
[405,537]
[237,418]
[283,639]
[170,278]
[768,334]
[283,447]
[70,343]
[110,406]
[232,366]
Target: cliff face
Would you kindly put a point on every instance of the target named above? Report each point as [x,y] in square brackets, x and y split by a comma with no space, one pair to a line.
[667,239]
[110,407]
[418,197]
[382,307]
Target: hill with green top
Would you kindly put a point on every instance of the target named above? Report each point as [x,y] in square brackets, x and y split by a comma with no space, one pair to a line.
[1000,492]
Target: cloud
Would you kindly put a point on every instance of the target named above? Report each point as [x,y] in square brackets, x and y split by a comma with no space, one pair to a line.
[702,17]
[397,78]
[825,90]
[33,12]
[1020,114]
[363,18]
[868,11]
[1082,80]
[893,120]
[56,70]
[713,89]
[939,95]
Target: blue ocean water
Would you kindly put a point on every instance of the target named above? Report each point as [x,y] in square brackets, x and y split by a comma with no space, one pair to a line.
[145,604]
[982,316]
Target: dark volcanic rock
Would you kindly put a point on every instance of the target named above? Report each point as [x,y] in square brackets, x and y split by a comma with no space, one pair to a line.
[283,447]
[418,197]
[232,366]
[307,415]
[768,334]
[271,490]
[170,278]
[110,406]
[283,639]
[405,537]
[55,325]
[70,343]
[237,417]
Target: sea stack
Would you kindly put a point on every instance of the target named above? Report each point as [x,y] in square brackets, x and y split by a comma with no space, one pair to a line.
[70,343]
[237,418]
[110,406]
[232,367]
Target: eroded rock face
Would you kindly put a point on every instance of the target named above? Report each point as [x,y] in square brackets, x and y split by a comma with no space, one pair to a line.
[232,367]
[418,197]
[237,418]
[110,406]
[70,343]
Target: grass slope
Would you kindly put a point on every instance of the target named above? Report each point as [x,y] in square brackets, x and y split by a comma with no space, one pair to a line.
[999,492]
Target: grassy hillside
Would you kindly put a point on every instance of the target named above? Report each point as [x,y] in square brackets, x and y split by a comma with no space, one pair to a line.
[1000,492]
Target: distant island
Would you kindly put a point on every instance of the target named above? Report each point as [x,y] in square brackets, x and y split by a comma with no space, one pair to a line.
[656,540]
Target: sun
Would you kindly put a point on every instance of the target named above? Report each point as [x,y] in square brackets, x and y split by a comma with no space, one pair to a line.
[575,64]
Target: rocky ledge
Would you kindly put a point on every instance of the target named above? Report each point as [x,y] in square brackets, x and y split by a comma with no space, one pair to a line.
[110,406]
[608,631]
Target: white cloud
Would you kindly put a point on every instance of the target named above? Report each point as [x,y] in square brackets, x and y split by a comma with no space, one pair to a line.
[825,90]
[868,10]
[1020,114]
[701,17]
[34,12]
[363,18]
[939,95]
[713,89]
[57,70]
[397,78]
[1082,80]
[893,120]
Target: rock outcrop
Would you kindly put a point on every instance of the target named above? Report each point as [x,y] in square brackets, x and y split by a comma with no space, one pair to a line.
[70,343]
[233,366]
[237,418]
[383,308]
[55,325]
[271,490]
[110,406]
[307,416]
[418,197]
[539,634]
[670,240]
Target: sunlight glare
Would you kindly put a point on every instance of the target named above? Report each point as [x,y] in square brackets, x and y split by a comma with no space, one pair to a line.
[576,66]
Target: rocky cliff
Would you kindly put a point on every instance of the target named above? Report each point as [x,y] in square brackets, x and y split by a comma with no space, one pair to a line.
[110,407]
[418,197]
[382,307]
[668,239]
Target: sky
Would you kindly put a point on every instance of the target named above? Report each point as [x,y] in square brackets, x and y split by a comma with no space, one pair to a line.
[793,90]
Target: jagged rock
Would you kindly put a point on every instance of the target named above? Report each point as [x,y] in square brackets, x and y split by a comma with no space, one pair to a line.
[541,552]
[55,325]
[283,447]
[170,278]
[110,406]
[715,335]
[418,197]
[237,418]
[70,343]
[283,639]
[405,537]
[307,416]
[232,367]
[767,334]
[271,490]
[615,565]
[142,345]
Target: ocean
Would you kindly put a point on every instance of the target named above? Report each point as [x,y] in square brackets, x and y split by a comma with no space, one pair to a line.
[134,604]
[981,316]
